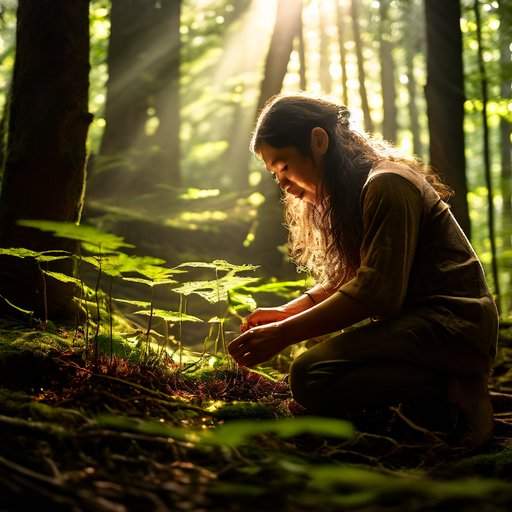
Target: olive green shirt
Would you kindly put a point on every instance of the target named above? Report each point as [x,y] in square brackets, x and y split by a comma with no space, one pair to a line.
[415,257]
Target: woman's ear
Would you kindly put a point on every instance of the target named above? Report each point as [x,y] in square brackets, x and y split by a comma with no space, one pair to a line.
[319,141]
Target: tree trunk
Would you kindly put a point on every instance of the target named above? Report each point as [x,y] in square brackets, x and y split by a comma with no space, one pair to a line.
[302,56]
[286,27]
[47,130]
[487,154]
[445,100]
[143,63]
[412,47]
[505,14]
[387,74]
[341,26]
[166,164]
[270,232]
[354,12]
[324,73]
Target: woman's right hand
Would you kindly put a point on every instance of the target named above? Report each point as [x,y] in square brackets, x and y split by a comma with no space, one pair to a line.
[263,316]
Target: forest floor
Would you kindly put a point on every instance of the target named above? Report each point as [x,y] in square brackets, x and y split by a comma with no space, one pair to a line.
[118,433]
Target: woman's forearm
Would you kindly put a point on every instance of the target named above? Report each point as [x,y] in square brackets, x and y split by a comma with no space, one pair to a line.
[308,299]
[332,314]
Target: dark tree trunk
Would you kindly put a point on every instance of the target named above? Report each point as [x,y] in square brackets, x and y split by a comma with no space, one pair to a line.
[445,100]
[324,72]
[166,164]
[505,14]
[286,27]
[487,155]
[387,74]
[47,128]
[354,12]
[143,63]
[341,26]
[270,232]
[413,30]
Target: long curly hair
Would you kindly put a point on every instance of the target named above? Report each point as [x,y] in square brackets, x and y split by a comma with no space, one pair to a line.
[325,238]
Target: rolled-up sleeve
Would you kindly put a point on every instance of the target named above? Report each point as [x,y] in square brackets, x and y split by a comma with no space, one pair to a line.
[392,209]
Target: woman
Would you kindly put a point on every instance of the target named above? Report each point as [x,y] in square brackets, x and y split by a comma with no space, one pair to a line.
[372,227]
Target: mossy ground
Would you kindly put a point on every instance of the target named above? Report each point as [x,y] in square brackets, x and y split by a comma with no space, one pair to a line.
[121,433]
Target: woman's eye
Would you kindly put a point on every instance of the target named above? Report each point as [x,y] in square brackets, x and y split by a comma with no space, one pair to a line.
[274,177]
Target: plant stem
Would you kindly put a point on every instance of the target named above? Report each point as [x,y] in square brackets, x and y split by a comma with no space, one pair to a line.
[98,315]
[45,297]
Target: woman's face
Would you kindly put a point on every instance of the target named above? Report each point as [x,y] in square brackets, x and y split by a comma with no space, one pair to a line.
[295,173]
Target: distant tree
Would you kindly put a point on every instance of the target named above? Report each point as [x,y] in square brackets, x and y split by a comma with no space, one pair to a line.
[445,100]
[387,74]
[286,28]
[270,233]
[324,72]
[342,27]
[302,56]
[47,128]
[356,32]
[143,64]
[413,38]
[505,37]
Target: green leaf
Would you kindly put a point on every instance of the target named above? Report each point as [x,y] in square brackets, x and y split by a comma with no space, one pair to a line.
[215,290]
[22,252]
[219,265]
[235,433]
[149,282]
[169,316]
[86,234]
[63,278]
[138,303]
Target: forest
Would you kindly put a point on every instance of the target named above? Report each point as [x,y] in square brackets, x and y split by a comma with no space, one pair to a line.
[138,230]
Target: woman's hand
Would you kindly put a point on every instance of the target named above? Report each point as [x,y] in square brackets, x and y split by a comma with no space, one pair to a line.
[258,344]
[262,316]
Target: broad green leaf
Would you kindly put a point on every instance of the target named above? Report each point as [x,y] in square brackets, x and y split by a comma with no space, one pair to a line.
[84,233]
[63,278]
[138,303]
[215,290]
[216,320]
[169,316]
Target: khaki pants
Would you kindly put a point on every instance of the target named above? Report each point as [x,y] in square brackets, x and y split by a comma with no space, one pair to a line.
[402,359]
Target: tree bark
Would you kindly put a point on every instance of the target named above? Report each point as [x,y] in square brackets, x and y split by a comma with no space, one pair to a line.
[354,12]
[47,129]
[341,26]
[387,74]
[445,100]
[505,36]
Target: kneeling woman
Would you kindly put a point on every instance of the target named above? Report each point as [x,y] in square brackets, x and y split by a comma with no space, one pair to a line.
[372,227]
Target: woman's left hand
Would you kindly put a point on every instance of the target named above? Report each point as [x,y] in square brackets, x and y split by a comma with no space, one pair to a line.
[258,344]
